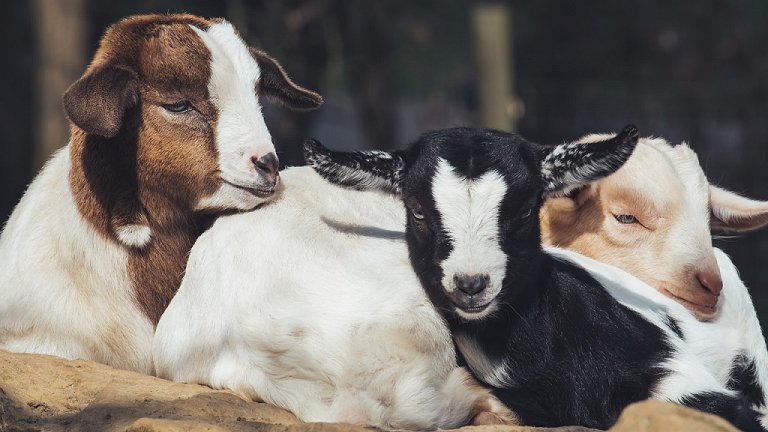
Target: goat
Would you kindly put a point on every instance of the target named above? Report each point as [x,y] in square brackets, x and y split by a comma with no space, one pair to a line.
[660,232]
[310,303]
[559,338]
[657,230]
[166,132]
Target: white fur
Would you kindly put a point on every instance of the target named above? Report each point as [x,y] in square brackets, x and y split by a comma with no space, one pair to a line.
[136,236]
[310,303]
[63,286]
[489,372]
[469,212]
[65,289]
[241,133]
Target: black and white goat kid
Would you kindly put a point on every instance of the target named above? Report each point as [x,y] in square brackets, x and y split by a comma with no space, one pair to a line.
[558,344]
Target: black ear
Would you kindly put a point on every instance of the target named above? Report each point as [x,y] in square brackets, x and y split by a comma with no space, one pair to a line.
[362,170]
[568,166]
[97,102]
[275,85]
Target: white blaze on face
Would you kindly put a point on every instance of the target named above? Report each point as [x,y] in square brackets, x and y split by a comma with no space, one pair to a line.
[469,212]
[241,133]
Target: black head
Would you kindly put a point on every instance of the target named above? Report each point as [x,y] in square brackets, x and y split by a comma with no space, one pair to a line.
[473,198]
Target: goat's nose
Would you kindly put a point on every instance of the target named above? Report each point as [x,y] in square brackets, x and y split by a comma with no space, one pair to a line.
[471,284]
[267,166]
[711,281]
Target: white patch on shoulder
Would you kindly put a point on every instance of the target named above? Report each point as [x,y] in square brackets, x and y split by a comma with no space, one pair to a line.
[469,211]
[241,133]
[136,236]
[492,374]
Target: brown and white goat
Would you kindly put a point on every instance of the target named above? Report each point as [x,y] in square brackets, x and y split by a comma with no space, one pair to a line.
[166,132]
[652,218]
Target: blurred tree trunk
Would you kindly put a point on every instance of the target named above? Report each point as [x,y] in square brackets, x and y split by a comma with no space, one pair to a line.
[492,28]
[61,43]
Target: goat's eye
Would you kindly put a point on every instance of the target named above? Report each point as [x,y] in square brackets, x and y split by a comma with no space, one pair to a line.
[178,107]
[526,214]
[626,219]
[417,214]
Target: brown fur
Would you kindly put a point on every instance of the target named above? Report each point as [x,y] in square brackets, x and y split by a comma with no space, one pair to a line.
[132,162]
[278,88]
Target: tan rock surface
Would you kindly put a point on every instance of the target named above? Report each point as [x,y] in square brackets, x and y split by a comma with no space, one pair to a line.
[44,393]
[655,416]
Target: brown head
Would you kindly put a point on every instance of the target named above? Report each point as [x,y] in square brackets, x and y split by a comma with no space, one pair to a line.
[652,218]
[167,130]
[168,113]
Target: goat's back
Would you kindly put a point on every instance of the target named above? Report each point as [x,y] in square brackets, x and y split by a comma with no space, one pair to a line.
[310,303]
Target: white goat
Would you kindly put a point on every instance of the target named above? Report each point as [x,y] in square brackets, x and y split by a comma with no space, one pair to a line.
[310,303]
[167,130]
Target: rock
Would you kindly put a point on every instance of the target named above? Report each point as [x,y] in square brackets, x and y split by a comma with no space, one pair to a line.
[655,416]
[45,393]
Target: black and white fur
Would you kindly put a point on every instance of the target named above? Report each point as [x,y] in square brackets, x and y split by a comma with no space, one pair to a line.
[560,338]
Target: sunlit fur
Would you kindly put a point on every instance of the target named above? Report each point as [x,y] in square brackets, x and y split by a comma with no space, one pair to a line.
[560,330]
[670,246]
[64,288]
[310,303]
[96,247]
[241,134]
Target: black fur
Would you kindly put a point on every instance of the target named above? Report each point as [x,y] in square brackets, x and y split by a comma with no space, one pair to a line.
[744,380]
[573,354]
[674,326]
[734,409]
[573,165]
[359,170]
[563,351]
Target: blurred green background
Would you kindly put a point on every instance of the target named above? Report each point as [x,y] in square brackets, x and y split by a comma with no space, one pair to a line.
[389,70]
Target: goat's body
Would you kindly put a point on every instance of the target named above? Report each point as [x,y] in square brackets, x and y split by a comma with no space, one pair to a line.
[332,324]
[578,353]
[65,289]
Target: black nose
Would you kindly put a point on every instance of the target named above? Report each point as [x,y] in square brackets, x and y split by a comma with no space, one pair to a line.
[267,165]
[471,284]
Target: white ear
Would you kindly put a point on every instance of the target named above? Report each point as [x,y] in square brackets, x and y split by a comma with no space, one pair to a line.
[735,213]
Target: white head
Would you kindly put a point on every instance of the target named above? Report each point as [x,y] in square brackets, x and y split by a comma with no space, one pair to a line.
[652,218]
[177,100]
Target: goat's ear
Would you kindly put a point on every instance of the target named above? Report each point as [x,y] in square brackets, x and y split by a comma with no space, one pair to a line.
[566,167]
[362,170]
[97,102]
[734,213]
[275,85]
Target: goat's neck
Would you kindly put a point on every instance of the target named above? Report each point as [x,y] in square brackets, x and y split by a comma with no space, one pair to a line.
[108,195]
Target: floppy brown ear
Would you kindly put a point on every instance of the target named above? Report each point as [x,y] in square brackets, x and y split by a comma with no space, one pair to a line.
[275,85]
[97,102]
[731,212]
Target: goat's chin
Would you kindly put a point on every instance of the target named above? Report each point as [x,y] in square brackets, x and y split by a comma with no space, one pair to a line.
[474,314]
[703,306]
[232,197]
